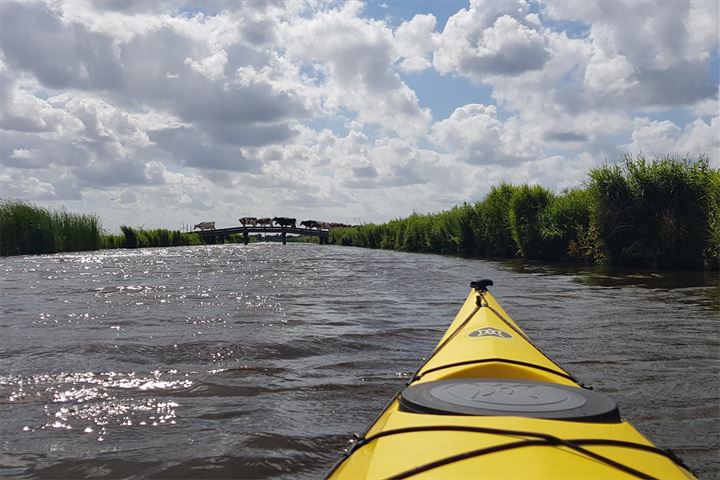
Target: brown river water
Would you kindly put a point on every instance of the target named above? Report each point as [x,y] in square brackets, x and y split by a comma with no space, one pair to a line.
[260,361]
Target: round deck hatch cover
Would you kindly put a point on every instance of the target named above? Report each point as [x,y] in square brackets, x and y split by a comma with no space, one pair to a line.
[506,397]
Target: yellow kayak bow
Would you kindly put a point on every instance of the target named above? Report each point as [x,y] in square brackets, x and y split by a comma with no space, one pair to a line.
[489,404]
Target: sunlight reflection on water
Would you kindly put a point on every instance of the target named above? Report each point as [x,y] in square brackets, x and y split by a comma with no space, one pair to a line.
[95,403]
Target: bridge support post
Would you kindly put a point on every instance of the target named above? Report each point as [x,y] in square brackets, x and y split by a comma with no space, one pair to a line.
[246,237]
[282,235]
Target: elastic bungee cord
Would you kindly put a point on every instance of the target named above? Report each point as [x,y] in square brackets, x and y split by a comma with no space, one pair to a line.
[540,439]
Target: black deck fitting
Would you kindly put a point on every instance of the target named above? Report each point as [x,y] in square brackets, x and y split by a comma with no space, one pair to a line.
[481,285]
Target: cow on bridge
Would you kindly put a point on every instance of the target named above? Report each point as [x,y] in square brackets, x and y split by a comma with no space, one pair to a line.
[251,221]
[265,222]
[284,221]
[309,224]
[205,226]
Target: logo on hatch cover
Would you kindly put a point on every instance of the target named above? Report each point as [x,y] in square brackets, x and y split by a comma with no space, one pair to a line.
[490,332]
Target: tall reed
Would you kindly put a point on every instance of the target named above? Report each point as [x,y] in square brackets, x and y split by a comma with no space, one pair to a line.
[157,237]
[566,228]
[528,206]
[713,250]
[663,213]
[655,213]
[29,229]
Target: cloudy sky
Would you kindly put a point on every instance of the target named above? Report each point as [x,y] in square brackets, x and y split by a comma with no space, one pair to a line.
[165,113]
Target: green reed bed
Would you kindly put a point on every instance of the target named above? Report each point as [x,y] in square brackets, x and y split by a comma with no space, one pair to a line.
[301,239]
[239,238]
[655,213]
[663,213]
[110,241]
[158,237]
[29,229]
[713,250]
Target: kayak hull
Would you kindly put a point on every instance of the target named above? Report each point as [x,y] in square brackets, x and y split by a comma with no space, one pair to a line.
[488,403]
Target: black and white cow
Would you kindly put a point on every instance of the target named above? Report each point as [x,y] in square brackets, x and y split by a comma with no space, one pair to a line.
[309,224]
[284,221]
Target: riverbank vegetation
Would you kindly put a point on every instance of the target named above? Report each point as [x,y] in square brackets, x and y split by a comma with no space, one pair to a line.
[29,229]
[663,213]
[157,237]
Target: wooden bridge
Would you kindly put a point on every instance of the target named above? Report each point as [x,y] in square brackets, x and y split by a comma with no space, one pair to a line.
[220,234]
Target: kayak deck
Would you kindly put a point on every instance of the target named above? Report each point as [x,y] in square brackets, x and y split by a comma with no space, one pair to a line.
[488,403]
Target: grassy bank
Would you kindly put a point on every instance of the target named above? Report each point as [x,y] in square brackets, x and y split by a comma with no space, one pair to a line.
[660,214]
[29,229]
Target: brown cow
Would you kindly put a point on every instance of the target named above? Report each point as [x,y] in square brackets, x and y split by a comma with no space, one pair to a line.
[252,221]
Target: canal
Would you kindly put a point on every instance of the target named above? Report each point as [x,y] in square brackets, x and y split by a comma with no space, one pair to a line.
[260,361]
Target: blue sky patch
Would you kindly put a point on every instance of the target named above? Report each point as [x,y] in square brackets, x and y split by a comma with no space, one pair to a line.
[442,94]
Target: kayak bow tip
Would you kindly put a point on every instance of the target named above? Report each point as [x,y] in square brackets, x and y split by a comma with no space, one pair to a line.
[481,285]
